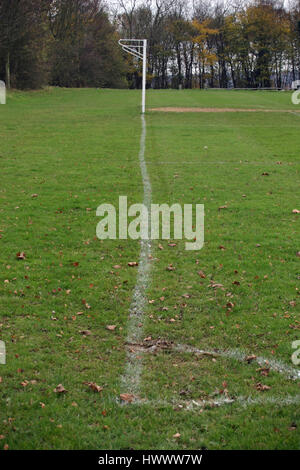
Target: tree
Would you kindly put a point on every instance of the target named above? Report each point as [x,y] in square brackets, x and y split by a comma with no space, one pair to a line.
[22,37]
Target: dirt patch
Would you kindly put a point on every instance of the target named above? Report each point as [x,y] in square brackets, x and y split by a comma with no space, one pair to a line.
[219,110]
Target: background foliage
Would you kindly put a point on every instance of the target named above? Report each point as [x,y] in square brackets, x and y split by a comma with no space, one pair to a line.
[73,43]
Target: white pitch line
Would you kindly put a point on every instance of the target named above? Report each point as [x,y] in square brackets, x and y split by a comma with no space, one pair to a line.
[198,405]
[278,366]
[221,163]
[132,375]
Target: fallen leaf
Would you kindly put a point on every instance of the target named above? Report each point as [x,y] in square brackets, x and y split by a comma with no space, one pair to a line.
[177,435]
[250,358]
[262,388]
[111,327]
[60,389]
[264,371]
[133,264]
[93,386]
[230,305]
[85,332]
[296,211]
[21,255]
[128,397]
[170,267]
[201,274]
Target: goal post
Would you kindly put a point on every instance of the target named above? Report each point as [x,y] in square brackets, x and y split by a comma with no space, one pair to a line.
[138,48]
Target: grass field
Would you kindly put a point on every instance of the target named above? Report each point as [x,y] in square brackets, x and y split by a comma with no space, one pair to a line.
[65,152]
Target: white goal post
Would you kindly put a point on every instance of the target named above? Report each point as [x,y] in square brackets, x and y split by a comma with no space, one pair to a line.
[138,48]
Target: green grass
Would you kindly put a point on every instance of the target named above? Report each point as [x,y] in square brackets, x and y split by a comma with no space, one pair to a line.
[76,149]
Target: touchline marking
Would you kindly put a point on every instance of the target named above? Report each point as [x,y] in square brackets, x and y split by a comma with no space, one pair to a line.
[199,162]
[197,405]
[278,366]
[191,405]
[130,382]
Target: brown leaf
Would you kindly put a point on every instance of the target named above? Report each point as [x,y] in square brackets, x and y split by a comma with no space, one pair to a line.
[215,285]
[262,388]
[21,255]
[201,274]
[111,327]
[264,371]
[296,211]
[132,264]
[34,195]
[222,207]
[93,386]
[250,358]
[85,332]
[230,305]
[177,435]
[128,397]
[60,389]
[170,267]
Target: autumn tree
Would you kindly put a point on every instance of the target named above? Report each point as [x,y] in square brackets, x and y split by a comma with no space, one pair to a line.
[22,42]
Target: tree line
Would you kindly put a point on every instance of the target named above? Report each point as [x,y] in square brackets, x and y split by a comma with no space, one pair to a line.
[69,43]
[196,43]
